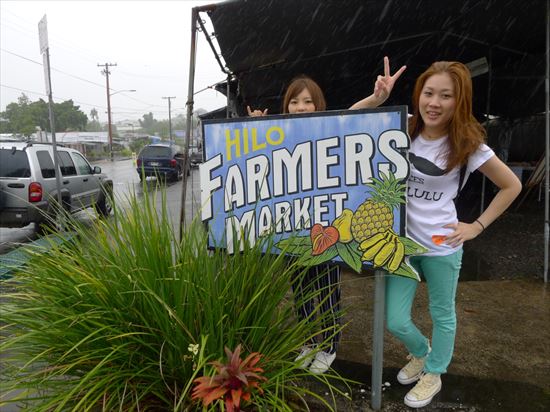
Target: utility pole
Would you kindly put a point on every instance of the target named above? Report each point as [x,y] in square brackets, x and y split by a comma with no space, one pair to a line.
[169,114]
[106,72]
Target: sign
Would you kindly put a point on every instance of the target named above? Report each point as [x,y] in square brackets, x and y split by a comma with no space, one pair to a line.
[43,34]
[329,186]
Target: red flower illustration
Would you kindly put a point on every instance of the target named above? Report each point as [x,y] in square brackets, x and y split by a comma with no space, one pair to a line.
[322,238]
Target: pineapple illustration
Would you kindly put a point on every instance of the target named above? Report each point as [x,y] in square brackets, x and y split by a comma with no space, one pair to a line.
[375,215]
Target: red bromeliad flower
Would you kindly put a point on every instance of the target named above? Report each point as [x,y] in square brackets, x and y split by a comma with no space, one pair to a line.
[233,382]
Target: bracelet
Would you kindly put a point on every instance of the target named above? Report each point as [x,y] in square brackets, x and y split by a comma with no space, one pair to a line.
[480,224]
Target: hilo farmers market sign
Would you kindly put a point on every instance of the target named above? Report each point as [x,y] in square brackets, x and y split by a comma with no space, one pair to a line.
[328,186]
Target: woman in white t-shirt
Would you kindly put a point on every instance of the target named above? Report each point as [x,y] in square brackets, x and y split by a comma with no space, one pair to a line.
[447,141]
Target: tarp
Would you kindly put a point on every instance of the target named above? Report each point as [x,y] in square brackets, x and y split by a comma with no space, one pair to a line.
[341,43]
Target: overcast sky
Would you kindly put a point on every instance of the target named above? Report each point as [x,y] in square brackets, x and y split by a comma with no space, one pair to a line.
[148,40]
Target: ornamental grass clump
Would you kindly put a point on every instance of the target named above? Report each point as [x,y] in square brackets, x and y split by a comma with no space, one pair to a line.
[126,316]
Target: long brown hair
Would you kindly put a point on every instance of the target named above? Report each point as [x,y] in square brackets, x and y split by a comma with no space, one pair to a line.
[304,82]
[465,132]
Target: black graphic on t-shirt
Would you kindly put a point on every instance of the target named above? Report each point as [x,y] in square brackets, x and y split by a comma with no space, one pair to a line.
[416,179]
[423,194]
[425,166]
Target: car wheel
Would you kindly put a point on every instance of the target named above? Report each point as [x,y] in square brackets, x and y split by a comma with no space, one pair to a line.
[105,204]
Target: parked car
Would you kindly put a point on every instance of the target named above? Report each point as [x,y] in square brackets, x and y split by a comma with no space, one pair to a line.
[161,160]
[28,189]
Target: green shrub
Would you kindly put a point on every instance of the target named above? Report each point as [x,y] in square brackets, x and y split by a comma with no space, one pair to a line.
[111,320]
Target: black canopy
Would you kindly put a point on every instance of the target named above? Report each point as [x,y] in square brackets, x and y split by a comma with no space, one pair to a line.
[341,44]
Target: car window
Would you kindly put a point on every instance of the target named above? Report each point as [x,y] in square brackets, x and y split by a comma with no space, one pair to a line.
[156,151]
[46,164]
[81,164]
[67,165]
[14,163]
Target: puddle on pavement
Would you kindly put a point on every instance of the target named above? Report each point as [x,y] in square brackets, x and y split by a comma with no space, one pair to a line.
[459,393]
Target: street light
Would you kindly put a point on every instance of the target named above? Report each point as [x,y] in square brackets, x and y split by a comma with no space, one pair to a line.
[109,116]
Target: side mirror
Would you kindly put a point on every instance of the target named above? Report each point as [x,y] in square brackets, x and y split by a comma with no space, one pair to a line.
[97,170]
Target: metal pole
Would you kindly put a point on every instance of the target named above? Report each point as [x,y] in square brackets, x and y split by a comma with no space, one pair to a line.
[45,50]
[547,154]
[487,110]
[227,95]
[52,127]
[188,126]
[378,338]
[169,115]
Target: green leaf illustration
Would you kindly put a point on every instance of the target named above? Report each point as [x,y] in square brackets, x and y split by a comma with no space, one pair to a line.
[307,259]
[412,247]
[350,254]
[296,245]
[407,271]
[301,247]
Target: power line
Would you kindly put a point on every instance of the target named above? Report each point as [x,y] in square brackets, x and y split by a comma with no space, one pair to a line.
[42,94]
[56,70]
[127,110]
[78,78]
[75,77]
[31,32]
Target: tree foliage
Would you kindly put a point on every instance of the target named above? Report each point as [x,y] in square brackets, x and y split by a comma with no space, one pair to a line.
[148,124]
[25,116]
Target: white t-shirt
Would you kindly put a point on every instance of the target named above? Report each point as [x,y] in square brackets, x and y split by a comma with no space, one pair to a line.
[431,191]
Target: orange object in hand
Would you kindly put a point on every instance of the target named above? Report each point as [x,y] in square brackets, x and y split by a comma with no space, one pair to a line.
[439,239]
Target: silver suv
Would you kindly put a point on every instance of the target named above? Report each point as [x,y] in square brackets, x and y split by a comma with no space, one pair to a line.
[28,191]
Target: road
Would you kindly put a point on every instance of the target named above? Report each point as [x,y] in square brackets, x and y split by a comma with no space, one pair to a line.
[126,181]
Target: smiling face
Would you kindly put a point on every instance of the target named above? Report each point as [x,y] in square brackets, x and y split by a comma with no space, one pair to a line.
[301,103]
[437,103]
[303,95]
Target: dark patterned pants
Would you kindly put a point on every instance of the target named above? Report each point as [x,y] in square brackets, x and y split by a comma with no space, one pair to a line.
[324,278]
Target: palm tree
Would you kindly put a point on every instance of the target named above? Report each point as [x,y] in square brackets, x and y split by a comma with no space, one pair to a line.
[93,114]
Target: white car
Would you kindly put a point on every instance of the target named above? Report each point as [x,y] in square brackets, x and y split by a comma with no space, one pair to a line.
[28,189]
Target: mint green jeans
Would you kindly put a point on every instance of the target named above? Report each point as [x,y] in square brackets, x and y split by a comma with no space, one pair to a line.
[441,275]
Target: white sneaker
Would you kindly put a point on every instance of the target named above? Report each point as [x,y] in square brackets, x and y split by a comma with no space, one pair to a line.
[304,359]
[322,362]
[412,371]
[424,391]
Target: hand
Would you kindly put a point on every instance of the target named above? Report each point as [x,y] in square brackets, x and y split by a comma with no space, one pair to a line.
[256,113]
[384,84]
[462,233]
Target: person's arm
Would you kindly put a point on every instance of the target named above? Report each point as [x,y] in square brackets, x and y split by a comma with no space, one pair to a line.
[382,88]
[510,187]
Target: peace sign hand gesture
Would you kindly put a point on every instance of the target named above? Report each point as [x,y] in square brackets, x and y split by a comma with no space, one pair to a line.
[384,84]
